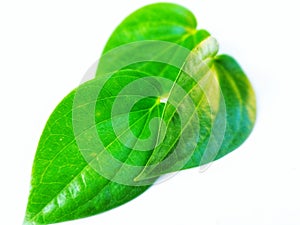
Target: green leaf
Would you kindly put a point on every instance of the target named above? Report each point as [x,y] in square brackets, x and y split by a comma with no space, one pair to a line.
[240,111]
[64,186]
[93,156]
[65,183]
[160,21]
[163,22]
[232,124]
[240,102]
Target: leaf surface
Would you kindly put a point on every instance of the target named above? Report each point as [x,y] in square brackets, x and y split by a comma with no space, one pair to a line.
[159,21]
[75,176]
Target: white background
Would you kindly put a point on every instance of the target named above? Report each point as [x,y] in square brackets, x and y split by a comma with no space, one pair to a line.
[45,48]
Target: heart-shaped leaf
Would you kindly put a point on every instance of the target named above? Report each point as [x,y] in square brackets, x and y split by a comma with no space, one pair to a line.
[155,107]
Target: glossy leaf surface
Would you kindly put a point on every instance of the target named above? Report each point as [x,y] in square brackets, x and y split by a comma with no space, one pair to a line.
[68,180]
[160,21]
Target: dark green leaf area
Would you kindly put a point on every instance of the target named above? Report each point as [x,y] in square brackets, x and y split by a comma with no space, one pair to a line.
[240,105]
[240,102]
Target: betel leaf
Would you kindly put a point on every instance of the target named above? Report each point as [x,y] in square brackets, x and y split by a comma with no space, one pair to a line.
[239,105]
[67,183]
[181,25]
[64,186]
[159,21]
[163,22]
[232,110]
[94,156]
